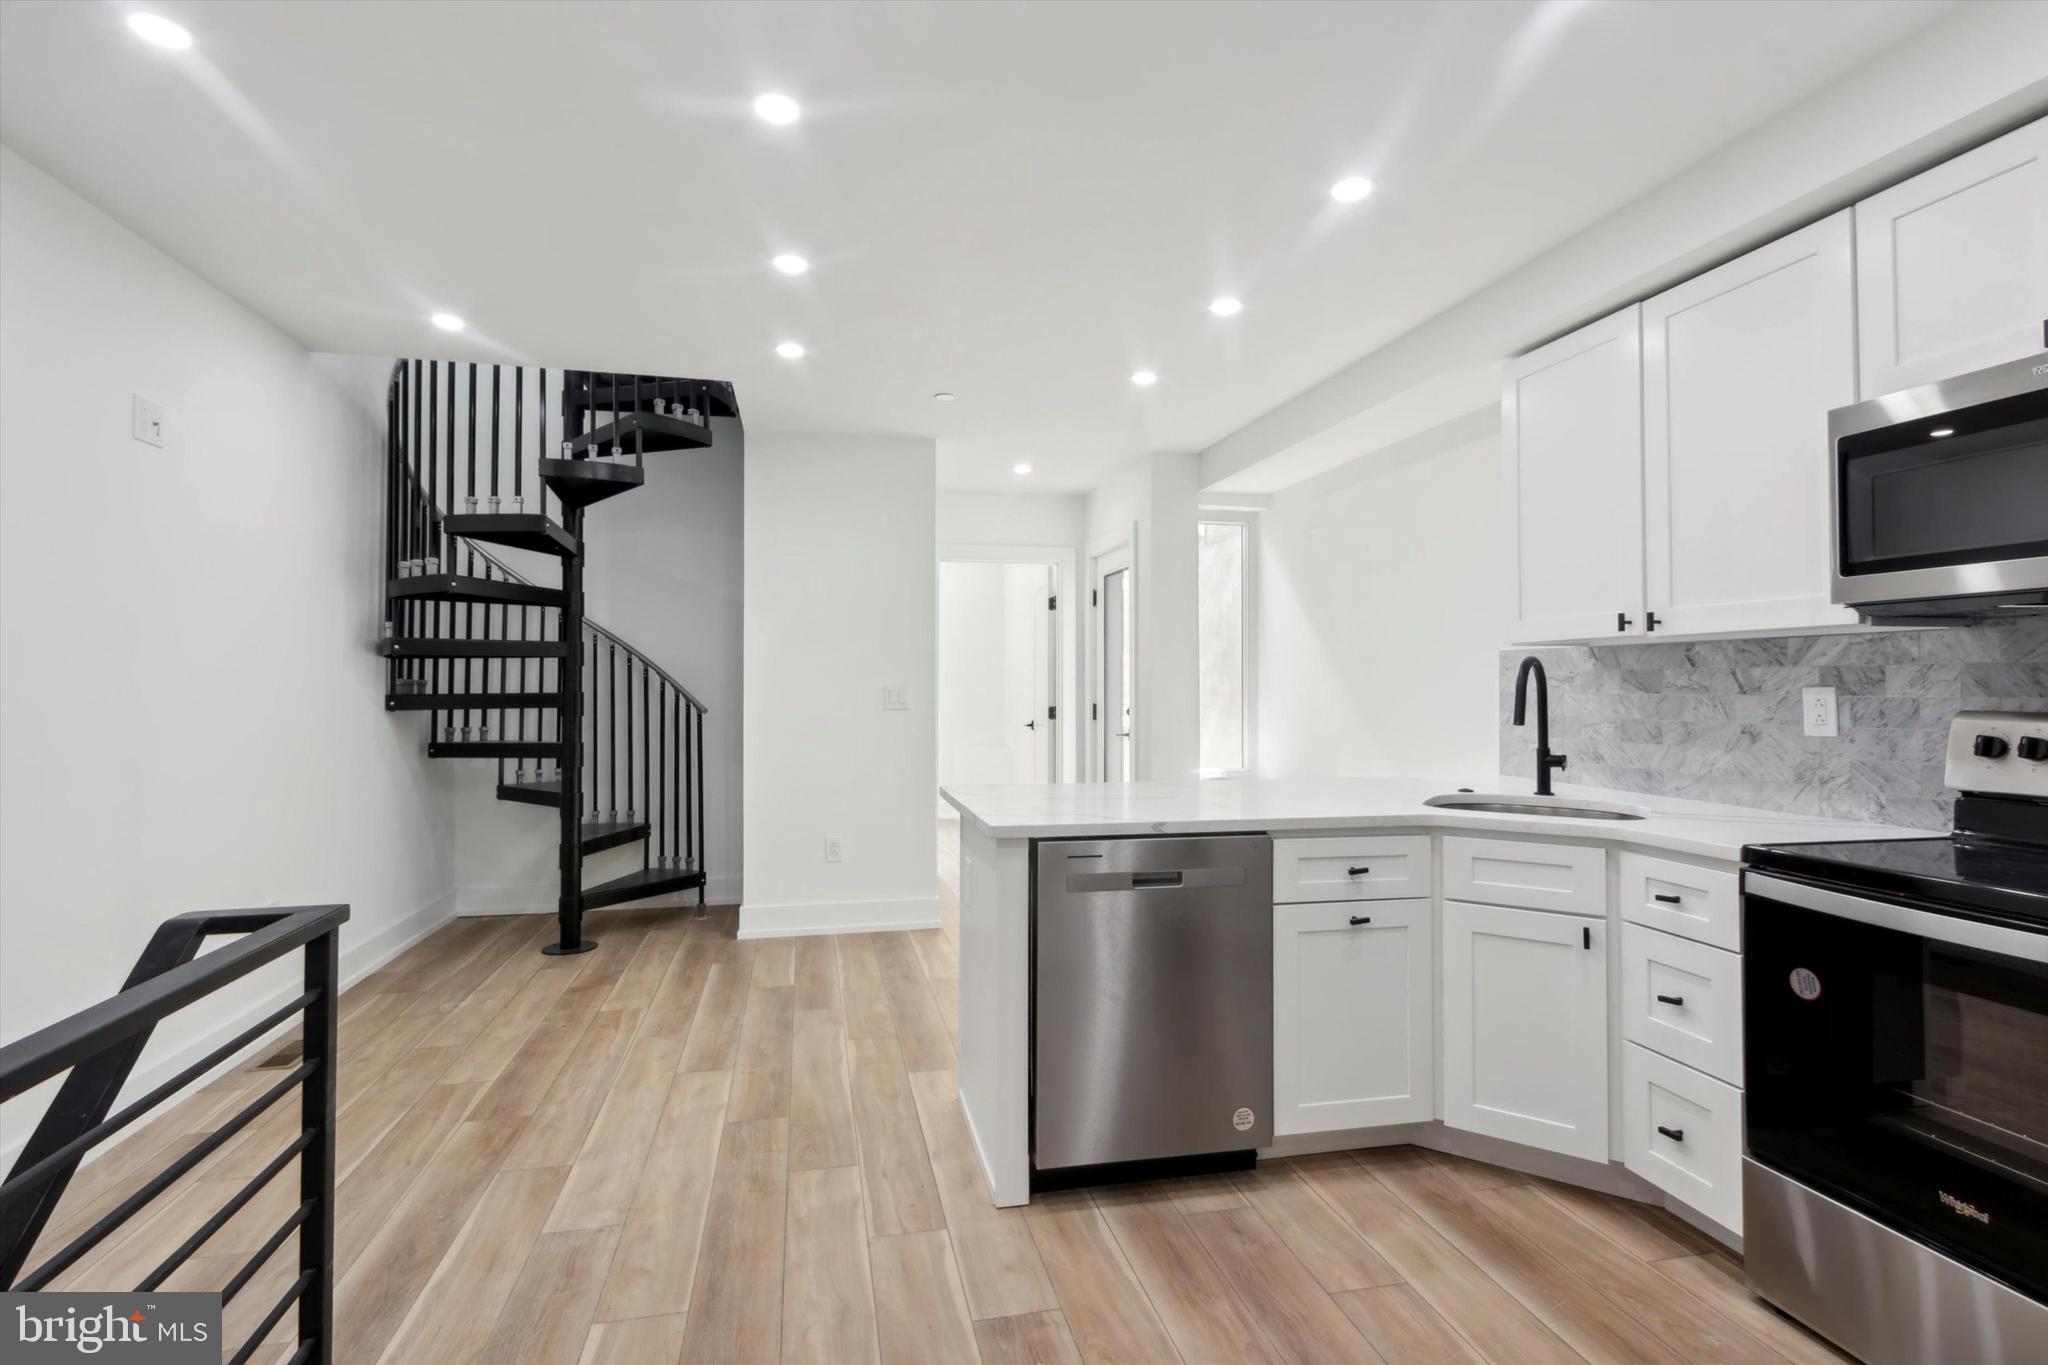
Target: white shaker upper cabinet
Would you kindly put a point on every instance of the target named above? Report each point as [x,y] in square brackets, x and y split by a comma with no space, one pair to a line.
[1952,265]
[1572,450]
[1740,367]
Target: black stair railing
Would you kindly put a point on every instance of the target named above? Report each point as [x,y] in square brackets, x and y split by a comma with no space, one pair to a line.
[95,1051]
[513,670]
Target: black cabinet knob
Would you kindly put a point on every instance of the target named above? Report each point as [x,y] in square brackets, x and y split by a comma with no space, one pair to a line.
[1675,1134]
[2034,749]
[1990,746]
[1361,919]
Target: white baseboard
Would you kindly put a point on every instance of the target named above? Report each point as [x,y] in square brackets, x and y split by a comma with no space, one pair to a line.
[539,898]
[358,960]
[793,919]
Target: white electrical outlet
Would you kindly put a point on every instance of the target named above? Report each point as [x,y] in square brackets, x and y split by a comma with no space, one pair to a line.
[835,848]
[149,422]
[1817,705]
[896,698]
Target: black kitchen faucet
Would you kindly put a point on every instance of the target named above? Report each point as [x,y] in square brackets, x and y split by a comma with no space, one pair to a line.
[1545,760]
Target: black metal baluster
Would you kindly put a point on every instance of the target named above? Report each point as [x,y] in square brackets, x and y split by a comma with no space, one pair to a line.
[519,438]
[675,817]
[449,503]
[658,815]
[611,737]
[540,394]
[646,771]
[496,371]
[629,736]
[469,499]
[317,1109]
[639,428]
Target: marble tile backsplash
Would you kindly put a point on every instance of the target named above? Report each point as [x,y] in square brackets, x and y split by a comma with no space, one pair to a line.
[1719,720]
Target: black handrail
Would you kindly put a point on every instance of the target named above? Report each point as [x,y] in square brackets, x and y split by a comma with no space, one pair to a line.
[99,1046]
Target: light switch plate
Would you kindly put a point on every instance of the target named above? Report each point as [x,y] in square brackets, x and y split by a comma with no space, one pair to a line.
[896,698]
[1817,707]
[835,848]
[148,422]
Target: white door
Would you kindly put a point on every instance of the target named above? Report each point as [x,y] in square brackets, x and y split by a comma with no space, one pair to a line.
[1952,265]
[1354,1006]
[1115,710]
[1525,1027]
[996,673]
[1572,450]
[1740,368]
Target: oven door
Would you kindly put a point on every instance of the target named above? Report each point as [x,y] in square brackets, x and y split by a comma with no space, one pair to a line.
[1897,1060]
[1941,492]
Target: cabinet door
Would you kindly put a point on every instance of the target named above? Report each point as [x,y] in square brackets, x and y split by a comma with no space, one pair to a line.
[1354,1003]
[1740,368]
[1525,1027]
[1952,265]
[1572,450]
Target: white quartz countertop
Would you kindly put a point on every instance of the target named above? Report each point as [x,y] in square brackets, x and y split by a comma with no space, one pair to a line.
[1309,805]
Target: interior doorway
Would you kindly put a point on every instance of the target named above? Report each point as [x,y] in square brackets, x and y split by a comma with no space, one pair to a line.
[1001,712]
[1113,668]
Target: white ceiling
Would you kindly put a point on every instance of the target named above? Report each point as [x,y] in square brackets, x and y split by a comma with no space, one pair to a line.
[1017,203]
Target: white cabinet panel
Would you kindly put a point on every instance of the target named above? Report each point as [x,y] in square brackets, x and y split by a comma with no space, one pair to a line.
[1354,1002]
[1682,1132]
[1952,265]
[1700,903]
[1740,368]
[1525,1027]
[1682,999]
[1572,472]
[1568,877]
[1361,868]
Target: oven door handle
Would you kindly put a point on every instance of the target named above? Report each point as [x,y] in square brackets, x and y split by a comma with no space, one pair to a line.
[1901,918]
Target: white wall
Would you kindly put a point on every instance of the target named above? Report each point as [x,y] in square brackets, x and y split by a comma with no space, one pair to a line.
[1037,519]
[664,572]
[1380,617]
[190,714]
[840,596]
[1158,495]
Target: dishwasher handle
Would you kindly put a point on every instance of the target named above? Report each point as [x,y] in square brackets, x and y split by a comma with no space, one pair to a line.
[1159,879]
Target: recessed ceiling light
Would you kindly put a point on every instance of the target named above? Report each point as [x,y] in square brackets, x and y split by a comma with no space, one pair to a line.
[1226,307]
[1351,189]
[1144,379]
[789,263]
[943,397]
[779,110]
[1942,431]
[1020,469]
[790,350]
[160,32]
[447,322]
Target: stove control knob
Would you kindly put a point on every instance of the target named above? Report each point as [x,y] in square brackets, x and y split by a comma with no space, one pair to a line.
[1990,746]
[2034,749]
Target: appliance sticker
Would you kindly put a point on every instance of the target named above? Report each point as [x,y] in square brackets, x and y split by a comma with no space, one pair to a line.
[1242,1120]
[1805,984]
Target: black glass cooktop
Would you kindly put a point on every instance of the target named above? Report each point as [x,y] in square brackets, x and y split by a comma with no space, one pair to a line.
[1997,878]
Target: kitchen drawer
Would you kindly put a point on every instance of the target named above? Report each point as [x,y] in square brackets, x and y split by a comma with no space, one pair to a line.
[1682,1132]
[1355,869]
[1683,999]
[1692,902]
[1532,876]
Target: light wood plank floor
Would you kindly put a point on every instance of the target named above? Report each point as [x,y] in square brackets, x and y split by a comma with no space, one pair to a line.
[684,1147]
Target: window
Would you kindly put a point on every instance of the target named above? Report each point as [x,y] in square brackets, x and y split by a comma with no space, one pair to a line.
[1222,639]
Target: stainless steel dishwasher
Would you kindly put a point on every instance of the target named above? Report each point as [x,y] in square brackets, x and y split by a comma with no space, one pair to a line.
[1152,999]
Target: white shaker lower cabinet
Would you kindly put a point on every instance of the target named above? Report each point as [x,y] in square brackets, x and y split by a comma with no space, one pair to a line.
[1525,1027]
[1354,1013]
[1682,1132]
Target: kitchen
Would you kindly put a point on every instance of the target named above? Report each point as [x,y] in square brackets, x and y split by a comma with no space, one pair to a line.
[1748,921]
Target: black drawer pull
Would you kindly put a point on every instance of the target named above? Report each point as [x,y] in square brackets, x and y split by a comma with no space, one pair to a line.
[1356,871]
[1361,919]
[1675,1134]
[1668,900]
[1671,1000]
[1585,938]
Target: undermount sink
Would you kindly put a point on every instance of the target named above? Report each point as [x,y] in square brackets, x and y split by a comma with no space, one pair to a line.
[1534,805]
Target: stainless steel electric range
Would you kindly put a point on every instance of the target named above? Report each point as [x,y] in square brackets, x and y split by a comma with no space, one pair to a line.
[1895,1010]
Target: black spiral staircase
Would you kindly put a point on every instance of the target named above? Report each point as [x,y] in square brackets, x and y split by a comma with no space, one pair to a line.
[511,670]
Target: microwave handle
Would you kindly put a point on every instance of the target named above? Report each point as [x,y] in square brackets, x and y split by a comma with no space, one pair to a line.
[1901,918]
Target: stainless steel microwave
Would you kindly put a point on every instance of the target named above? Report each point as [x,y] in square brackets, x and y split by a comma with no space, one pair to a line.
[1940,504]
